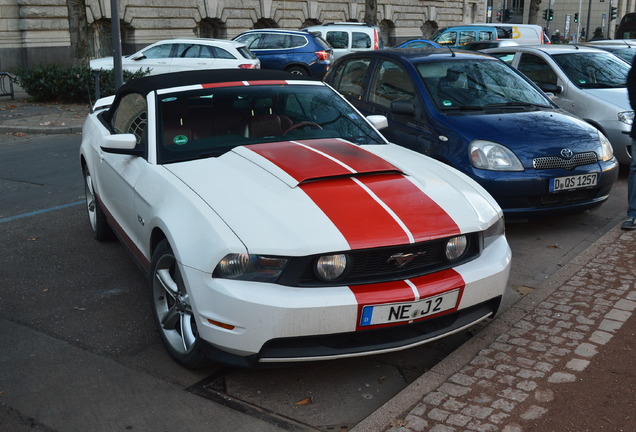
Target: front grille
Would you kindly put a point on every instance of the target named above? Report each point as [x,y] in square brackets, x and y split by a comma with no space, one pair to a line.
[552,162]
[570,197]
[374,265]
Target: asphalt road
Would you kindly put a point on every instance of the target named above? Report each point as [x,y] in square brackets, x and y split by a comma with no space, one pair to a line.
[78,348]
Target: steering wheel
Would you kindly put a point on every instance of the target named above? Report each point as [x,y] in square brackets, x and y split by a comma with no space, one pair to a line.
[302,124]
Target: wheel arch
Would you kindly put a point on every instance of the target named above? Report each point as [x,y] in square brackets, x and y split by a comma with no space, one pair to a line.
[297,65]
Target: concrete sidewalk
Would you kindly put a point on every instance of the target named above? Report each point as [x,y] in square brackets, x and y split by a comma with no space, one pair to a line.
[507,376]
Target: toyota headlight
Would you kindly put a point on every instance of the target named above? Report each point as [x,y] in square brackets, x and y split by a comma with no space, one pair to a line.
[626,117]
[244,266]
[491,156]
[606,152]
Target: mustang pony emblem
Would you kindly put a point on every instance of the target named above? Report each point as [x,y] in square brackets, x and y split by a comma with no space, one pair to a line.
[399,260]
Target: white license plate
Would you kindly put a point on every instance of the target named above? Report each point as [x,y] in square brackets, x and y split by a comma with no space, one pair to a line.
[408,311]
[573,182]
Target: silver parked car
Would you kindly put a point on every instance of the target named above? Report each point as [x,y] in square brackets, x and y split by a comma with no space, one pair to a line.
[588,82]
[177,55]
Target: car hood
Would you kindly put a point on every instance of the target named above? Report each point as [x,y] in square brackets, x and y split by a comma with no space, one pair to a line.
[615,96]
[301,198]
[518,131]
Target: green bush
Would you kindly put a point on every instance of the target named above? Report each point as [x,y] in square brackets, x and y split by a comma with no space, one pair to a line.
[53,83]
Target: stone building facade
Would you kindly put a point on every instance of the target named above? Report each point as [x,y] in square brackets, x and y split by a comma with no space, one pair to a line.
[36,31]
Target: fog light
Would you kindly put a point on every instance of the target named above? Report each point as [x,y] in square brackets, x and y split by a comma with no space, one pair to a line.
[331,267]
[456,247]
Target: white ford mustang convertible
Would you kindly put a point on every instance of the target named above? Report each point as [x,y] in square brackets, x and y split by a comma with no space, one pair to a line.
[276,224]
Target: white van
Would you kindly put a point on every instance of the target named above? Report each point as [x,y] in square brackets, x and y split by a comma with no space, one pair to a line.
[347,37]
[523,34]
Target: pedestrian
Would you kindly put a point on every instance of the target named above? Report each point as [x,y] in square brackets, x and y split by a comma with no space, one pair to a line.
[598,34]
[630,223]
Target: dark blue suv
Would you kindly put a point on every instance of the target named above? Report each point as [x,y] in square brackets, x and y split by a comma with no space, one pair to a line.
[289,50]
[479,115]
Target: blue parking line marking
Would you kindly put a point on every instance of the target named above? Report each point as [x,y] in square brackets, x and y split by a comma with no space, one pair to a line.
[37,212]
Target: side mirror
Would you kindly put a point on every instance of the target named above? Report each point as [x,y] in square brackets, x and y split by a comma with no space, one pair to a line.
[551,88]
[138,56]
[378,121]
[122,144]
[402,107]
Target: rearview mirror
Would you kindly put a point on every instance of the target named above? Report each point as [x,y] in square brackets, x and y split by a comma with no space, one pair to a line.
[378,121]
[551,88]
[122,144]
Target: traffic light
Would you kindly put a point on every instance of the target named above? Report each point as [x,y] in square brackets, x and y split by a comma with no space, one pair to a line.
[545,14]
[550,14]
[612,13]
[499,15]
[576,17]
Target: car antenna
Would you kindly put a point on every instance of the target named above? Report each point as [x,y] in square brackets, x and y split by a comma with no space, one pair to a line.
[451,51]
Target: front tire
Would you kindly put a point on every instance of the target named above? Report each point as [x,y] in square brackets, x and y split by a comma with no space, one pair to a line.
[96,216]
[172,309]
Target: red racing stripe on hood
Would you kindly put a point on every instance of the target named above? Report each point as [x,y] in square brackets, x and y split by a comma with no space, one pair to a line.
[321,158]
[362,221]
[401,291]
[422,216]
[379,208]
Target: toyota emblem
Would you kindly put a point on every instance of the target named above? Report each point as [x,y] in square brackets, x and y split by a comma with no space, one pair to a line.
[567,153]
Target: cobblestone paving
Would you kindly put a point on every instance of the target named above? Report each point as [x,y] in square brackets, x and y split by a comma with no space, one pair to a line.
[510,380]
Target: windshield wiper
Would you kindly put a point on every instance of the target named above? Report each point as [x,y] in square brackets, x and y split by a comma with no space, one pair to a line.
[516,104]
[463,107]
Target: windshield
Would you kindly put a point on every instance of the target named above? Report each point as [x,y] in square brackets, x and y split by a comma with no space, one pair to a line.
[210,122]
[593,70]
[471,84]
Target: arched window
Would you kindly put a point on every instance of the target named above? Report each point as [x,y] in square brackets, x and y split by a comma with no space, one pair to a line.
[265,23]
[212,28]
[100,39]
[387,33]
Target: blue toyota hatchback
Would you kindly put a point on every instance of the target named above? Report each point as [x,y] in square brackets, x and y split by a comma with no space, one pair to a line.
[479,115]
[297,52]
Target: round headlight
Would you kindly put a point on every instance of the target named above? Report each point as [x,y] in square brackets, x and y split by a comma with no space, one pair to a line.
[456,247]
[331,267]
[233,265]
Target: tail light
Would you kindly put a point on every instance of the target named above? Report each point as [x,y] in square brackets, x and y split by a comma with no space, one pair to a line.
[322,55]
[248,66]
[376,40]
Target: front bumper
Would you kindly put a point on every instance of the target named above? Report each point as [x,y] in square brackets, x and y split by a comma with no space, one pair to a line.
[275,323]
[526,193]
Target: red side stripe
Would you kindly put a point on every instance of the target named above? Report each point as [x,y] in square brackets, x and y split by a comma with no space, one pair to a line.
[224,84]
[423,217]
[400,291]
[244,83]
[362,221]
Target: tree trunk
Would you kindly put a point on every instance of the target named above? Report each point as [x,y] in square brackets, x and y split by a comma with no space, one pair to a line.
[371,12]
[78,29]
[533,11]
